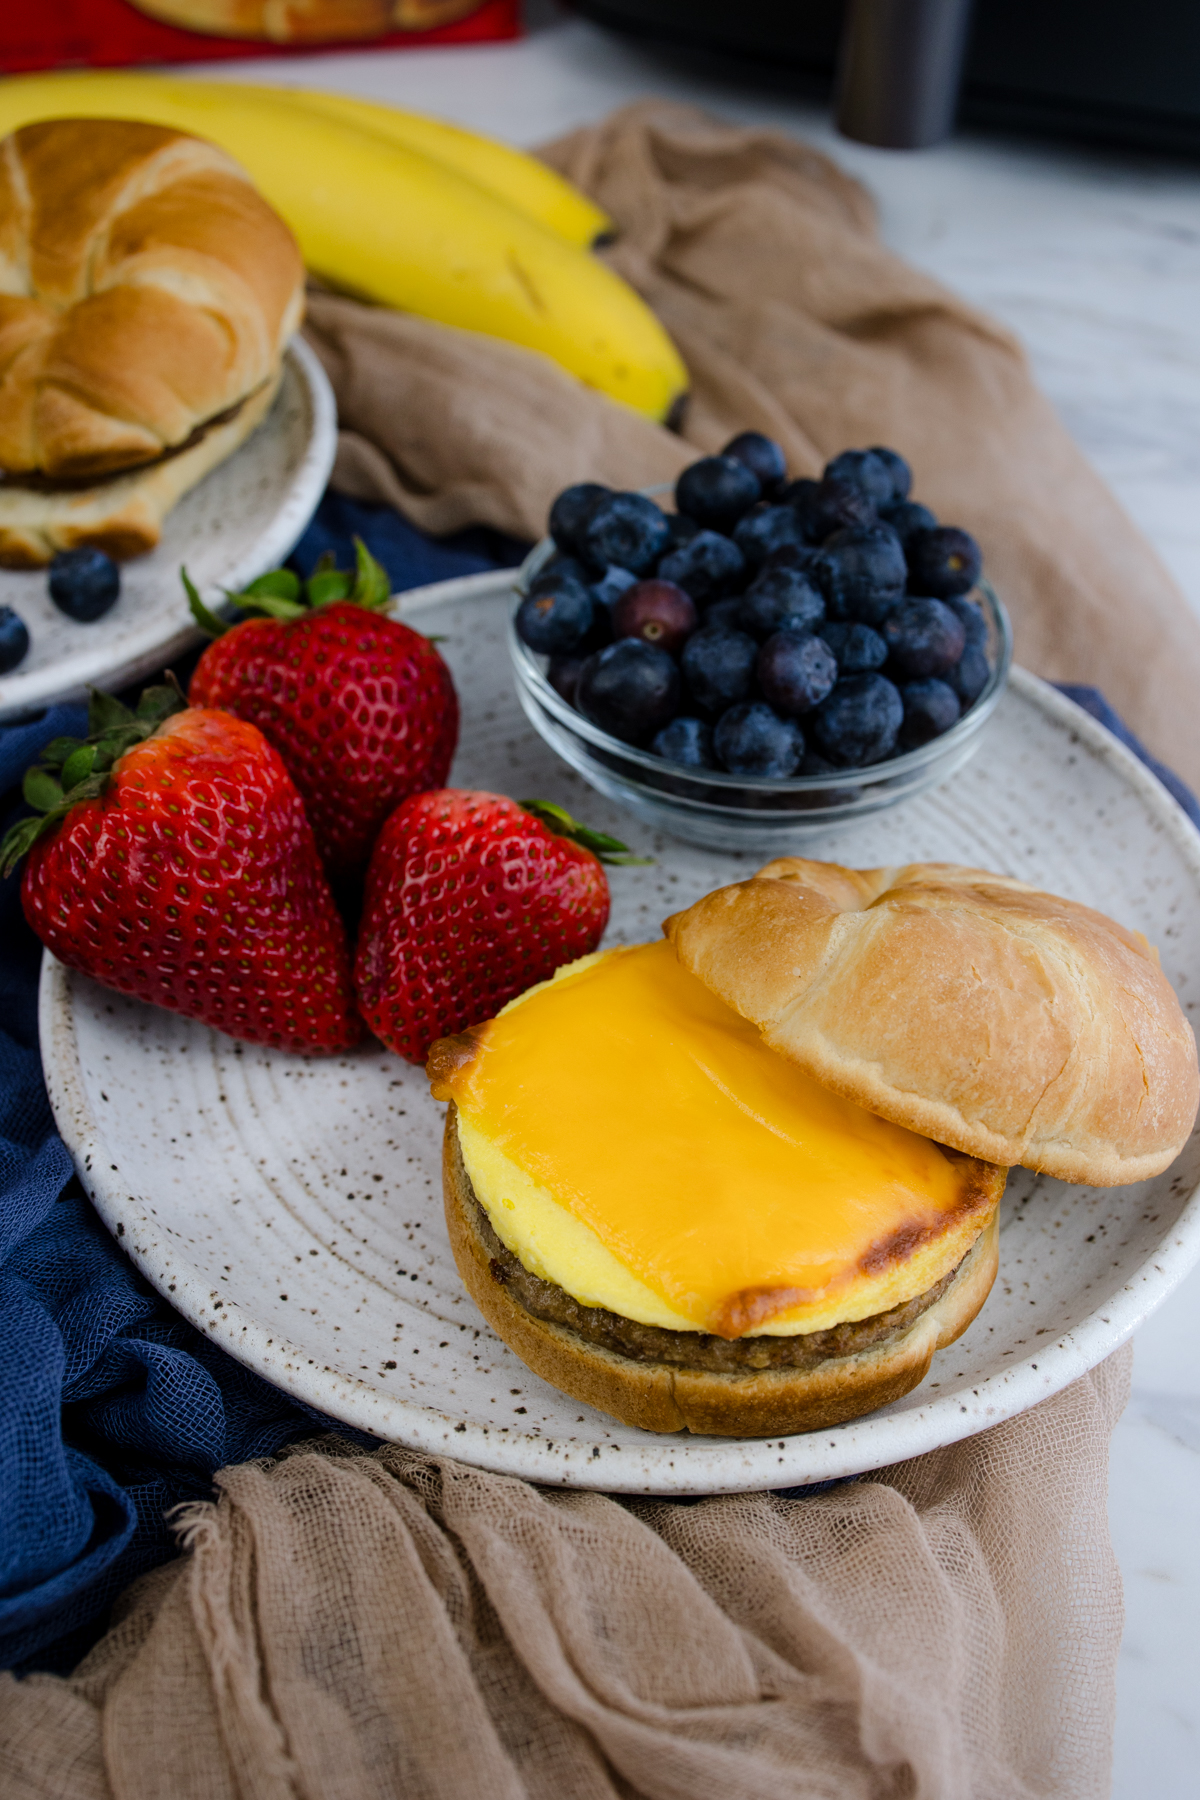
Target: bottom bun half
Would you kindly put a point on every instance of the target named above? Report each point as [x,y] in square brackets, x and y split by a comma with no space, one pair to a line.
[669,1396]
[124,515]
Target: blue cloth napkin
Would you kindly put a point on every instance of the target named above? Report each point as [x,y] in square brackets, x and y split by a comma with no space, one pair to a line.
[112,1408]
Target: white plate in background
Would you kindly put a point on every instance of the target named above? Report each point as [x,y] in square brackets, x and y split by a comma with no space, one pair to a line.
[243,518]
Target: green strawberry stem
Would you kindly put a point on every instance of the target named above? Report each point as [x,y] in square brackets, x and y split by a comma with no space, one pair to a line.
[74,769]
[280,593]
[606,849]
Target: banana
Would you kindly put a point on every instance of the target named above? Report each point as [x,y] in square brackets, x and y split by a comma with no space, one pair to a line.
[526,184]
[381,219]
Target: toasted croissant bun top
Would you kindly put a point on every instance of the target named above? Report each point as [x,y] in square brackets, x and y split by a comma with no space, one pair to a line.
[975,1009]
[145,288]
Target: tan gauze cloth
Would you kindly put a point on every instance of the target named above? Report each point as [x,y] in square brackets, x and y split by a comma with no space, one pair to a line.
[762,259]
[398,1627]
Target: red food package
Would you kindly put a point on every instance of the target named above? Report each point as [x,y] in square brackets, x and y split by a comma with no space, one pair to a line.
[117,33]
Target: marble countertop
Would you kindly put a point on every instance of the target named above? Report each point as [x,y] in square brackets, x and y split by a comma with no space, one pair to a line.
[1093,258]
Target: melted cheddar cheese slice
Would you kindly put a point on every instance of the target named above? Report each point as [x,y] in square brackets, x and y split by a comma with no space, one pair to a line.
[633,1140]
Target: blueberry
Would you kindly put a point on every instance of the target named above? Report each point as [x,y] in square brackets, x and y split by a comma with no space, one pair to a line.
[780,600]
[753,740]
[716,491]
[563,675]
[719,667]
[943,561]
[970,674]
[859,722]
[765,529]
[908,518]
[556,569]
[898,469]
[630,689]
[862,572]
[724,612]
[801,496]
[762,456]
[683,529]
[14,639]
[805,557]
[707,568]
[557,619]
[971,614]
[858,648]
[612,585]
[626,529]
[930,707]
[658,612]
[924,637]
[571,512]
[795,672]
[865,470]
[84,584]
[836,503]
[686,741]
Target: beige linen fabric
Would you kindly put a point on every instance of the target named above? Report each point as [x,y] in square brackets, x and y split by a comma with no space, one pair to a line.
[763,260]
[371,1627]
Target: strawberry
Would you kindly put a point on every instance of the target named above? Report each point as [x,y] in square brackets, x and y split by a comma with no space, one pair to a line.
[173,861]
[361,708]
[470,899]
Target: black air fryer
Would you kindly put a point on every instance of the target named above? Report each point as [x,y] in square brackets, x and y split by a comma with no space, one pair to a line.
[1104,70]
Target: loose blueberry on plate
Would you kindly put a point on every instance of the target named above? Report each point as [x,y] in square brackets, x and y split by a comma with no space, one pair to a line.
[718,666]
[858,648]
[795,672]
[686,741]
[571,512]
[556,620]
[563,673]
[930,708]
[626,529]
[924,637]
[898,469]
[908,518]
[862,572]
[612,584]
[780,600]
[14,639]
[765,529]
[867,471]
[630,689]
[859,722]
[657,612]
[943,561]
[716,491]
[84,584]
[762,456]
[707,568]
[750,739]
[970,674]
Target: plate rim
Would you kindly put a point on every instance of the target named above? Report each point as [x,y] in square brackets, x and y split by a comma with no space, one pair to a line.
[668,1464]
[149,650]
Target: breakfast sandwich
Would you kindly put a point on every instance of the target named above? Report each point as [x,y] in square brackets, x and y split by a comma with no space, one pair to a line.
[147,292]
[746,1180]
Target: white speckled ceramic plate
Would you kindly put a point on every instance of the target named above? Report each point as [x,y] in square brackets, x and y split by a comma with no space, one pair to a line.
[242,518]
[292,1209]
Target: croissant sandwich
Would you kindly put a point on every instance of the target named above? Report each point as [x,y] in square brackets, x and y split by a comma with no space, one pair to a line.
[147,292]
[746,1180]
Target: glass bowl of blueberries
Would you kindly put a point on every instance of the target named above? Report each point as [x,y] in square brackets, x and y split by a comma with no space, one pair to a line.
[767,658]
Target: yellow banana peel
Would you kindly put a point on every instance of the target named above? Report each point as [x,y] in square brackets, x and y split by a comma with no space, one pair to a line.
[524,182]
[381,219]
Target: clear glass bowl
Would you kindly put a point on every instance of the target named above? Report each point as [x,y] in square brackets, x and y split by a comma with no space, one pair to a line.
[747,812]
